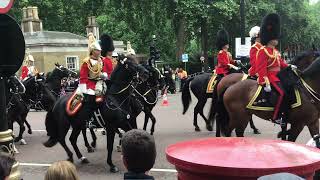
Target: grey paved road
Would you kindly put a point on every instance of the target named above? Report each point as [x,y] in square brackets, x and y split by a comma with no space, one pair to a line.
[171,127]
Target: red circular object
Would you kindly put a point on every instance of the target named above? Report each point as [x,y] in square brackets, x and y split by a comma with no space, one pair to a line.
[241,158]
[7,7]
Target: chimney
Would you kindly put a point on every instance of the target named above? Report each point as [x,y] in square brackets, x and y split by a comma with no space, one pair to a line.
[93,27]
[30,20]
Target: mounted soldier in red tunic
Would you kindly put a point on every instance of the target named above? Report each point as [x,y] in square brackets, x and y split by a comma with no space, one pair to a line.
[255,40]
[225,61]
[269,62]
[92,84]
[107,51]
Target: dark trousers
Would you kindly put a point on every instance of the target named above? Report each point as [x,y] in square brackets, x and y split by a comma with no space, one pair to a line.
[183,81]
[89,105]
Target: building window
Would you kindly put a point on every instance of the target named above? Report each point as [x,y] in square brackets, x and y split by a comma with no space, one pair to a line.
[72,62]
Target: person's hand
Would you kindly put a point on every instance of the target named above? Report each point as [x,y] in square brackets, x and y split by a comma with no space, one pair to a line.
[293,67]
[104,76]
[237,68]
[267,88]
[79,92]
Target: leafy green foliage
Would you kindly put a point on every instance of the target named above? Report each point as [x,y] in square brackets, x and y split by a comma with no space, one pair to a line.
[178,24]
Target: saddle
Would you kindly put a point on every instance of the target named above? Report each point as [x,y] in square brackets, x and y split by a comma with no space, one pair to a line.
[214,81]
[74,103]
[264,101]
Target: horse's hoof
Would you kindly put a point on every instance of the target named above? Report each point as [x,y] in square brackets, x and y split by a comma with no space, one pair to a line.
[90,150]
[114,169]
[256,131]
[50,143]
[29,131]
[119,148]
[94,144]
[23,142]
[197,129]
[84,160]
[151,133]
[17,139]
[103,132]
[209,128]
[15,150]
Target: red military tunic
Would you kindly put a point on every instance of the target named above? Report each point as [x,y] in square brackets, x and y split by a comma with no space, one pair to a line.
[107,66]
[85,78]
[24,72]
[223,61]
[268,64]
[253,56]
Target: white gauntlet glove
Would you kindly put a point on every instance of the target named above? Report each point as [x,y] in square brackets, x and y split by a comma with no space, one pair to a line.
[293,67]
[234,67]
[104,76]
[82,88]
[267,88]
[78,92]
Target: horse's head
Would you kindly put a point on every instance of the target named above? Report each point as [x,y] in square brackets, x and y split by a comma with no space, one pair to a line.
[313,71]
[304,59]
[15,85]
[128,69]
[154,75]
[61,72]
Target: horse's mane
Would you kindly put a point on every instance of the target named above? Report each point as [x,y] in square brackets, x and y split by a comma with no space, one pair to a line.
[118,66]
[301,56]
[313,69]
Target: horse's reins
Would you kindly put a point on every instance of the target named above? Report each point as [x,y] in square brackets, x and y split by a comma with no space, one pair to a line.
[144,96]
[311,91]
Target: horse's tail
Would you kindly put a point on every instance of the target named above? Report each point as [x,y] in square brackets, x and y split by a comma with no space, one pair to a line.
[186,96]
[222,115]
[52,131]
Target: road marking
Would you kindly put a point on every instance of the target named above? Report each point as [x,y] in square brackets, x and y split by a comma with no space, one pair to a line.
[35,164]
[41,130]
[163,170]
[48,165]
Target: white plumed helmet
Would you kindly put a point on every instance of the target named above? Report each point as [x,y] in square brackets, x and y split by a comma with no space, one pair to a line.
[254,32]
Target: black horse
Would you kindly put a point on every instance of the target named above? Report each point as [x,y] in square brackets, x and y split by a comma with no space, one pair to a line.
[17,110]
[55,77]
[116,110]
[147,95]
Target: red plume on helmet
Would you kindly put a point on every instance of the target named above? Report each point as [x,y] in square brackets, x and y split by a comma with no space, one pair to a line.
[106,44]
[222,38]
[270,28]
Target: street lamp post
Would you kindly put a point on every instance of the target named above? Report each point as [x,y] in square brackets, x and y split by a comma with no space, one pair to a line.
[12,53]
[242,22]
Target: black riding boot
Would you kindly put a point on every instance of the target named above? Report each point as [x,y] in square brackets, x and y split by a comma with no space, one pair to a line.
[88,108]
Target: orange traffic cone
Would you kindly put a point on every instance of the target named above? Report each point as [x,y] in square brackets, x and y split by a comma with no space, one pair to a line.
[165,101]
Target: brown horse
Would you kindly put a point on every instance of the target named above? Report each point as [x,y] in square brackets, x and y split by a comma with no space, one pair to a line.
[302,61]
[237,97]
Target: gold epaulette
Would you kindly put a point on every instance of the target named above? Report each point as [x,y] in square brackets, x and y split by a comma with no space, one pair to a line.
[86,60]
[268,54]
[262,47]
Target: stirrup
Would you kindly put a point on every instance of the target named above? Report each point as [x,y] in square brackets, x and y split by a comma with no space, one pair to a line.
[280,122]
[91,125]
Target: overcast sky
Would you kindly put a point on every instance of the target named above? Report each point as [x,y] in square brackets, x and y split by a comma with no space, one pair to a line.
[313,1]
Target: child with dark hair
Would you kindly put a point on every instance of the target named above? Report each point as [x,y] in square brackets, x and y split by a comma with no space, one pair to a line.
[139,154]
[6,163]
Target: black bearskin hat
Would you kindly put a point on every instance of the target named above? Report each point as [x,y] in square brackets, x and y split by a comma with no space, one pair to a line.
[270,28]
[222,38]
[106,44]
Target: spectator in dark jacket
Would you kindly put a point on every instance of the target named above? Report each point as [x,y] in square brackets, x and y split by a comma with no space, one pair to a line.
[6,163]
[139,154]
